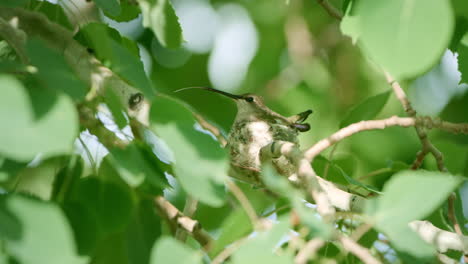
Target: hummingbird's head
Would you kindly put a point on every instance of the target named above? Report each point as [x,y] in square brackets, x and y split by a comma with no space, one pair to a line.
[252,107]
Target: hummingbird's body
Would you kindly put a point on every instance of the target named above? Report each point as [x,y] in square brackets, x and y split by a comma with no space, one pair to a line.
[256,126]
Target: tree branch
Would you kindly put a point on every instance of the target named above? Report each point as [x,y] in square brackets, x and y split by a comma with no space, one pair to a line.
[427,146]
[176,219]
[86,66]
[352,129]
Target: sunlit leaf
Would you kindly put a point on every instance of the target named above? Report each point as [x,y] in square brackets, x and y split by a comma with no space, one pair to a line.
[160,17]
[405,37]
[260,249]
[45,231]
[199,161]
[46,125]
[170,251]
[408,196]
[120,53]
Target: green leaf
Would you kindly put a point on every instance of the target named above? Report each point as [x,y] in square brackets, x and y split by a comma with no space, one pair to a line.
[49,125]
[260,249]
[142,232]
[111,7]
[167,250]
[412,195]
[129,11]
[405,37]
[11,227]
[111,203]
[236,226]
[160,17]
[54,12]
[460,7]
[53,71]
[200,163]
[45,231]
[116,108]
[366,110]
[13,3]
[463,62]
[120,53]
[136,163]
[408,196]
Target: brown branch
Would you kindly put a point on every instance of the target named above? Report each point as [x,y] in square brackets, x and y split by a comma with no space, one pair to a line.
[309,250]
[176,219]
[427,146]
[421,122]
[211,128]
[359,251]
[352,129]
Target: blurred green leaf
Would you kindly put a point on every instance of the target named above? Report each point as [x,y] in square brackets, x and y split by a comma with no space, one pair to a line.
[408,196]
[112,203]
[111,7]
[160,17]
[236,226]
[260,249]
[460,7]
[13,3]
[129,11]
[167,250]
[136,163]
[10,229]
[116,108]
[142,232]
[405,37]
[45,233]
[121,53]
[366,110]
[54,12]
[463,62]
[200,163]
[53,71]
[51,132]
[412,195]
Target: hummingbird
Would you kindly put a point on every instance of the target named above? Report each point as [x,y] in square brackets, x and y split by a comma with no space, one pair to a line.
[254,127]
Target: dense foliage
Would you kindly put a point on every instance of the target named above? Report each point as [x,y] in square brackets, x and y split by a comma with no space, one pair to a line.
[101,162]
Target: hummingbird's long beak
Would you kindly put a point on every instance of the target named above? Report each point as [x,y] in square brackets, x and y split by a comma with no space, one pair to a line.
[233,96]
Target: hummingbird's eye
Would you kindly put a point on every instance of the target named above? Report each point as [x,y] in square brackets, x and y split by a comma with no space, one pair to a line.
[249,99]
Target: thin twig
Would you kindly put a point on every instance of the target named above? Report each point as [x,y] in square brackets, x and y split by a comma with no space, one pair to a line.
[189,210]
[309,250]
[245,203]
[227,252]
[213,129]
[352,129]
[331,10]
[359,251]
[427,146]
[453,218]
